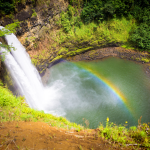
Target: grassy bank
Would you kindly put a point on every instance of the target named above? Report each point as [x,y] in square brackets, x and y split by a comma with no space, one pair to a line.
[14,108]
[138,136]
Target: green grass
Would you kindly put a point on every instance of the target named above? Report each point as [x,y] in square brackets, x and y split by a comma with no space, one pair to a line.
[14,108]
[139,136]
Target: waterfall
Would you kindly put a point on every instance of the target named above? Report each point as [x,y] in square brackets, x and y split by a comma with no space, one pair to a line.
[23,72]
[82,89]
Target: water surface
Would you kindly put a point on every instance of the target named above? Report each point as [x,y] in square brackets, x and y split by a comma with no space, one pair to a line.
[77,91]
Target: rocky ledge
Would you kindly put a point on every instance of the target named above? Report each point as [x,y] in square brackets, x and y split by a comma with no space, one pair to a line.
[100,54]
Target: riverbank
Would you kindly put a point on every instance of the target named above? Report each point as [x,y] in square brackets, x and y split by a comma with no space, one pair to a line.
[102,53]
[122,53]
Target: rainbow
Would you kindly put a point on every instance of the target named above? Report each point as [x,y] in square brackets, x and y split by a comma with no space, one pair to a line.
[110,85]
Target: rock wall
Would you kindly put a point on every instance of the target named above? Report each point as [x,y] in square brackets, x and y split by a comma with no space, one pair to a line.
[33,19]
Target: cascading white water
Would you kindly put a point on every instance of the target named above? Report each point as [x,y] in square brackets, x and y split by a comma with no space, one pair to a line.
[18,75]
[28,79]
[23,72]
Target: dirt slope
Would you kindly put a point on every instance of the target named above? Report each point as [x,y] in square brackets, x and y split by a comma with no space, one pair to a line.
[41,136]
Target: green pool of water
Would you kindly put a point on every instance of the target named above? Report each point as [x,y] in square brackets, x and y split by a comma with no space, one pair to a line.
[81,92]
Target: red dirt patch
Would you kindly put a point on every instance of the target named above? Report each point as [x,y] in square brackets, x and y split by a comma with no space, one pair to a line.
[41,136]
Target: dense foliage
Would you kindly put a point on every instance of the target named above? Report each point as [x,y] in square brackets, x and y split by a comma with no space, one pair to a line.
[102,10]
[10,6]
[10,28]
[6,6]
[70,19]
[95,10]
[140,36]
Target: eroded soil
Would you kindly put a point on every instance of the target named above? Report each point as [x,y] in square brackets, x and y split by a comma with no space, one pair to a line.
[41,136]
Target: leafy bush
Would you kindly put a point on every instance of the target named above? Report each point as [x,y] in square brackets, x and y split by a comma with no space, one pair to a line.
[7,98]
[6,6]
[70,19]
[77,3]
[10,28]
[10,6]
[140,37]
[141,14]
[34,13]
[123,135]
[99,10]
[92,12]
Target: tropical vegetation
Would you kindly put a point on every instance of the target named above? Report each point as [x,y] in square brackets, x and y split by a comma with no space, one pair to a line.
[87,24]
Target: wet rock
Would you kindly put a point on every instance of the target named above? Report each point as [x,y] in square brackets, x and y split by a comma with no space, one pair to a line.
[24,15]
[27,43]
[33,21]
[19,32]
[28,2]
[21,6]
[23,28]
[6,21]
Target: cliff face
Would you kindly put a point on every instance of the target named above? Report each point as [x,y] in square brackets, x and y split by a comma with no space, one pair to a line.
[33,19]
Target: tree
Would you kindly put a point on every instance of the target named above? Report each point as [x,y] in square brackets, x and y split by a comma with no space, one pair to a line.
[10,28]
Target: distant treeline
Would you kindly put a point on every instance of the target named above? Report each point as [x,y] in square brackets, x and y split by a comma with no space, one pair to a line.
[100,10]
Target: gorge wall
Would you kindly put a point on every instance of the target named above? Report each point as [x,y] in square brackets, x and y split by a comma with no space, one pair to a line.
[35,20]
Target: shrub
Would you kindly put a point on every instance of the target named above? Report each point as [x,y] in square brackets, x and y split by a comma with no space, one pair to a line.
[140,37]
[70,19]
[77,3]
[99,10]
[34,13]
[7,98]
[10,28]
[92,11]
[6,6]
[141,14]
